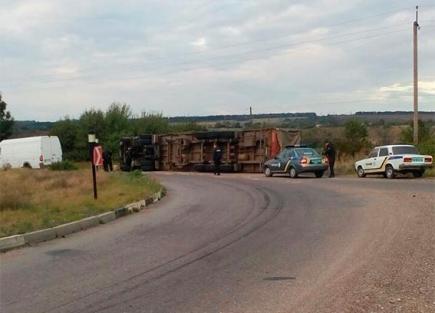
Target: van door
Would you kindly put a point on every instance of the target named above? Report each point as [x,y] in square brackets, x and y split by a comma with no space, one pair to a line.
[53,151]
[52,157]
[56,149]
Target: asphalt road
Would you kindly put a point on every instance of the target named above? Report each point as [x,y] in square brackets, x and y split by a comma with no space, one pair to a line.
[242,243]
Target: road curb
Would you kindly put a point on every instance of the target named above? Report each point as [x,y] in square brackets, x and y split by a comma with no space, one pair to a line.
[40,236]
[89,222]
[59,231]
[12,242]
[107,217]
[68,228]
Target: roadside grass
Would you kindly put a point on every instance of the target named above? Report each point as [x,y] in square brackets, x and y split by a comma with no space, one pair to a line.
[37,199]
[344,167]
[430,172]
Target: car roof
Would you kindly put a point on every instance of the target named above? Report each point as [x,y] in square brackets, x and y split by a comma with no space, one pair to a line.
[390,146]
[297,146]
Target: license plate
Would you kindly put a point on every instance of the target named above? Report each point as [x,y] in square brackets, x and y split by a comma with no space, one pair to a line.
[417,159]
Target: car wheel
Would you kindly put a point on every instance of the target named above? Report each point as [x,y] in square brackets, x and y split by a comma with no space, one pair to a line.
[360,172]
[417,174]
[293,173]
[319,174]
[389,172]
[268,172]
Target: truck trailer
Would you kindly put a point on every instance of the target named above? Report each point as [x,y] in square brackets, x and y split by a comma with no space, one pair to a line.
[243,150]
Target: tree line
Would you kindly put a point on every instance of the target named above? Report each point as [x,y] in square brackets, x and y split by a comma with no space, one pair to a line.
[6,120]
[118,121]
[110,126]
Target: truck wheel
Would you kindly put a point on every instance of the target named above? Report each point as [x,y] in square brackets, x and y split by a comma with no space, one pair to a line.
[27,165]
[418,174]
[319,174]
[360,172]
[389,172]
[293,173]
[268,172]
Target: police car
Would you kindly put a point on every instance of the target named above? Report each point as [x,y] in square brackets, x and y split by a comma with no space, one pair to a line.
[294,160]
[393,159]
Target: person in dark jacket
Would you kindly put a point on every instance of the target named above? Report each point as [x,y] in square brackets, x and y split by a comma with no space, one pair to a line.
[330,155]
[107,161]
[217,158]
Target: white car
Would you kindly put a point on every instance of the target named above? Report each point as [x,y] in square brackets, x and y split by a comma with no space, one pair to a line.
[392,159]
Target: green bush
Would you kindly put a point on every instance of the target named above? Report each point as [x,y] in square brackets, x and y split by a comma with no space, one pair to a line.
[426,139]
[63,166]
[427,147]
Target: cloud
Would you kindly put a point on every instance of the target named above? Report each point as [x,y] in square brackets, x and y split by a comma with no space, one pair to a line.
[24,16]
[425,87]
[208,57]
[200,43]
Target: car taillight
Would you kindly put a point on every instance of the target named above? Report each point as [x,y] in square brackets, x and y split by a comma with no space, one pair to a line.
[407,159]
[304,161]
[41,158]
[428,160]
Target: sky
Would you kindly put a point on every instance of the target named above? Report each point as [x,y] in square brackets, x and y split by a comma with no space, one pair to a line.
[59,58]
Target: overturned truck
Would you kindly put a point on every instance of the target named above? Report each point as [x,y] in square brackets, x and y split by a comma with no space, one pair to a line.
[243,151]
[139,152]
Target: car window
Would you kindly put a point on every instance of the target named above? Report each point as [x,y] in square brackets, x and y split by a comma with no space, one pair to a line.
[287,153]
[307,152]
[383,152]
[374,153]
[404,150]
[281,155]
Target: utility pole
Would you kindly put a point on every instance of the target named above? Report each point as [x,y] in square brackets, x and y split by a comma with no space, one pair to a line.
[416,27]
[250,116]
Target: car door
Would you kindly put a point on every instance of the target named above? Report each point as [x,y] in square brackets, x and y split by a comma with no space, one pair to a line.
[379,161]
[277,163]
[286,159]
[370,162]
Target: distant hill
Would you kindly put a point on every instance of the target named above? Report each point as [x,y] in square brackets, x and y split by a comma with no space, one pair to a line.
[291,120]
[302,120]
[31,128]
[239,118]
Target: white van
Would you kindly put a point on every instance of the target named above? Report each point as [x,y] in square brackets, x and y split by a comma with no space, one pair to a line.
[33,152]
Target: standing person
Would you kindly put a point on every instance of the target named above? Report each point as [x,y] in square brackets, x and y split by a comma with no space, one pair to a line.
[217,158]
[107,161]
[330,155]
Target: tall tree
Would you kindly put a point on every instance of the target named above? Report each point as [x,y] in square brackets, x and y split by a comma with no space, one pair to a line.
[151,123]
[6,121]
[117,124]
[68,131]
[356,133]
[406,135]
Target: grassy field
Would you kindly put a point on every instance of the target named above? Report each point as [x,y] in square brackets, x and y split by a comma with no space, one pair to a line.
[36,199]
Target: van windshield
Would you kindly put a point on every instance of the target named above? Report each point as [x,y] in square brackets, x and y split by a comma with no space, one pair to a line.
[404,150]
